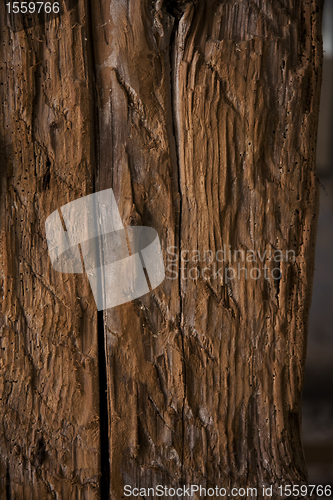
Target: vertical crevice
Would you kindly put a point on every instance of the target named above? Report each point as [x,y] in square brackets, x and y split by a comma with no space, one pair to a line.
[105,478]
[175,127]
[8,487]
[103,411]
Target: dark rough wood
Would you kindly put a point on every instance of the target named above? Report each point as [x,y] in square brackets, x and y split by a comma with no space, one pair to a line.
[202,117]
[49,431]
[208,114]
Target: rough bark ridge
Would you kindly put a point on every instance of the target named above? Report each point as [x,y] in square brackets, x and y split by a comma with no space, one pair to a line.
[202,117]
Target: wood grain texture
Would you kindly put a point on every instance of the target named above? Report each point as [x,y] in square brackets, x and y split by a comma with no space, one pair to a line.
[49,431]
[202,117]
[143,339]
[210,113]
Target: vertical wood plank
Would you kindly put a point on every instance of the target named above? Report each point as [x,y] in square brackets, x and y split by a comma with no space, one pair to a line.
[138,159]
[202,117]
[49,431]
[217,102]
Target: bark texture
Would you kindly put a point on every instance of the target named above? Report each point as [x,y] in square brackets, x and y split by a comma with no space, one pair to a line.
[211,110]
[202,117]
[49,432]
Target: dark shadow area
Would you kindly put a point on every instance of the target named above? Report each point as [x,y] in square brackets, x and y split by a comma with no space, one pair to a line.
[318,389]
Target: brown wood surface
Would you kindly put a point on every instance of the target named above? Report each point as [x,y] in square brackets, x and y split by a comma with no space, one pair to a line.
[202,117]
[49,413]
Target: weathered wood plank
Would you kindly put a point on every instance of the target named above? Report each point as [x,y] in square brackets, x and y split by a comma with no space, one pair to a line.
[210,111]
[248,80]
[143,338]
[202,117]
[49,431]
